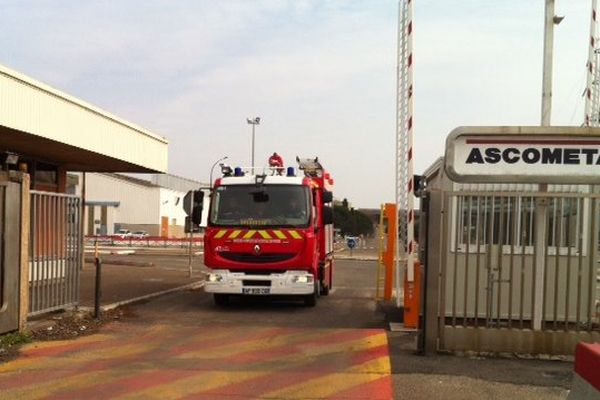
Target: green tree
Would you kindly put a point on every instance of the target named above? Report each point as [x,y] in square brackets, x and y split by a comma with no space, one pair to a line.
[351,222]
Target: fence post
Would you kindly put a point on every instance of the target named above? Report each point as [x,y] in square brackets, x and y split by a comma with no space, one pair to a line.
[98,288]
[432,267]
[25,234]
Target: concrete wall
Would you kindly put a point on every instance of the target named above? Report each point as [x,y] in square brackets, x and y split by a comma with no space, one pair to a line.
[138,204]
[141,205]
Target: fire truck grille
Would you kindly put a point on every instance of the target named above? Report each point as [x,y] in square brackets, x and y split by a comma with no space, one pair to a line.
[258,259]
[256,283]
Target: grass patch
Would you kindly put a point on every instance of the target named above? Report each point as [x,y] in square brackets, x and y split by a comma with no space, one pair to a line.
[13,339]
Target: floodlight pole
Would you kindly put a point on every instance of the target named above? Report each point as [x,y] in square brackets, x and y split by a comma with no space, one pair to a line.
[253,122]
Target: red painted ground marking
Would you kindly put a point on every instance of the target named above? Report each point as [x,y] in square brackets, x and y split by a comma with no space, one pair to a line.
[312,369]
[45,375]
[226,341]
[197,337]
[59,349]
[20,379]
[369,354]
[379,389]
[120,387]
[253,388]
[260,355]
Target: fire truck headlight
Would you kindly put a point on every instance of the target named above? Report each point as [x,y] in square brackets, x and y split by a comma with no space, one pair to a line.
[215,277]
[302,279]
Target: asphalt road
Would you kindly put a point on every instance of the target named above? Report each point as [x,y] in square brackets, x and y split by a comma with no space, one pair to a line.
[183,346]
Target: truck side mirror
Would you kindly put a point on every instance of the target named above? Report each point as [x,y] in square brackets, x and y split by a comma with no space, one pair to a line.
[197,207]
[327,215]
[327,197]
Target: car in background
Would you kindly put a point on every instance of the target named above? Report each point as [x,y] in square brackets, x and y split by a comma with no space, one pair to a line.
[139,235]
[123,234]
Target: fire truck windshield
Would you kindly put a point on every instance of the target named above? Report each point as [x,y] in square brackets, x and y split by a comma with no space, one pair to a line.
[267,205]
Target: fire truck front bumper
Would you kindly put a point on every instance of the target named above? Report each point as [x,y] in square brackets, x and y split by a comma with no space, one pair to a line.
[286,283]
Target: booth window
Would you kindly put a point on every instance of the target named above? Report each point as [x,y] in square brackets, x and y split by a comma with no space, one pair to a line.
[509,221]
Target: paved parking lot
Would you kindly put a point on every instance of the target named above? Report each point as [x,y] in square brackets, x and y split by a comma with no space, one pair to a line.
[182,346]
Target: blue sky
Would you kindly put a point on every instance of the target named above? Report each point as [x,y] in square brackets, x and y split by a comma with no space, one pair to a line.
[320,74]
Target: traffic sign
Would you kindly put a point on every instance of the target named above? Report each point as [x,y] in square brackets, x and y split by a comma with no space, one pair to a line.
[188,202]
[351,242]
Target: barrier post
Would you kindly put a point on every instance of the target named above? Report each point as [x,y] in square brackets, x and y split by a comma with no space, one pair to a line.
[412,297]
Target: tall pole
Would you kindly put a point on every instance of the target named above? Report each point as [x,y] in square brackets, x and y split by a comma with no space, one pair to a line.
[591,114]
[547,72]
[541,212]
[253,122]
[253,126]
[191,236]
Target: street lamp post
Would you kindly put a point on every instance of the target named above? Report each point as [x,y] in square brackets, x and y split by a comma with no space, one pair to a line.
[253,122]
[212,168]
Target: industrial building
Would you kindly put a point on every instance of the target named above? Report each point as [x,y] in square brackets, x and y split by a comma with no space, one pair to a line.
[44,134]
[152,203]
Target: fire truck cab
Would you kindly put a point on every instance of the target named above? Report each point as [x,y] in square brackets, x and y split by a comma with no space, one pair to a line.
[270,234]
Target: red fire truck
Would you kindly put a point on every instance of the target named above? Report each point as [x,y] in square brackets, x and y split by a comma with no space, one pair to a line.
[270,234]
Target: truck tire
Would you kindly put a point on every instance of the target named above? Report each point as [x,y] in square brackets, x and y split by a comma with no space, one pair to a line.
[221,299]
[310,300]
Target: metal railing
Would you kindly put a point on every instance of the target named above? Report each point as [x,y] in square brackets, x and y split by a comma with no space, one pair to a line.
[55,251]
[150,241]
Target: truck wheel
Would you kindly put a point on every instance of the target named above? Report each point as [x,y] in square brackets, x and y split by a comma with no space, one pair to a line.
[310,300]
[221,299]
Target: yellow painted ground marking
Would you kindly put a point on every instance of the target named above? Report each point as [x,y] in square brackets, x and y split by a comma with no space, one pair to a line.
[280,235]
[294,234]
[74,382]
[380,365]
[202,381]
[235,234]
[300,353]
[264,234]
[220,234]
[21,363]
[249,234]
[322,387]
[264,343]
[85,355]
[311,353]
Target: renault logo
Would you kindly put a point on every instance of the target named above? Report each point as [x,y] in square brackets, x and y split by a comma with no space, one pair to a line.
[256,249]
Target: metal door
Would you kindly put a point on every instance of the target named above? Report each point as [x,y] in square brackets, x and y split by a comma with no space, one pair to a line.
[10,266]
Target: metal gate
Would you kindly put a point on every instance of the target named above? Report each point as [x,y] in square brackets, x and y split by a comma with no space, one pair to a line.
[55,252]
[10,247]
[513,272]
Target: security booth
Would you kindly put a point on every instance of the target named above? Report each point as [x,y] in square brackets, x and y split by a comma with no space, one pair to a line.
[511,241]
[43,134]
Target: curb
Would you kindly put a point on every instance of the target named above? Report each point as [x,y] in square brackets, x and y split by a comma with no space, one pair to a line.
[121,262]
[357,258]
[193,285]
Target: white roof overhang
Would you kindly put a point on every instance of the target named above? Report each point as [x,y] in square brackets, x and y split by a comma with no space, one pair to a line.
[42,122]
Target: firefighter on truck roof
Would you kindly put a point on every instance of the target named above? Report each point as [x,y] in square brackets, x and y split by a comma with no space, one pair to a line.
[276,162]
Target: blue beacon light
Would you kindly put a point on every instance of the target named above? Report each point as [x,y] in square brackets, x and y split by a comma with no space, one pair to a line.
[291,172]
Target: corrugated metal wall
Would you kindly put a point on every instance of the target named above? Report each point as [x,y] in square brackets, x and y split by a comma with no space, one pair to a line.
[30,106]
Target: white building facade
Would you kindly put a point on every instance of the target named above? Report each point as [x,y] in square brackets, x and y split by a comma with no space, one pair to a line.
[115,201]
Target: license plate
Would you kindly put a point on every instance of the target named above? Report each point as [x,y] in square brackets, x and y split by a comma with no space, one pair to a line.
[256,290]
